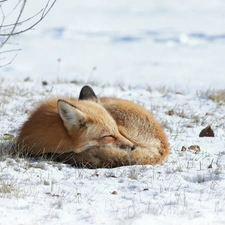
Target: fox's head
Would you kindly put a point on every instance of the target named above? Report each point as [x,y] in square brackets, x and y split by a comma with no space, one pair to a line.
[90,125]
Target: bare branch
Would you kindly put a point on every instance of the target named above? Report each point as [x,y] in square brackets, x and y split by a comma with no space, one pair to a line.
[7,30]
[21,22]
[11,50]
[44,11]
[9,61]
[15,25]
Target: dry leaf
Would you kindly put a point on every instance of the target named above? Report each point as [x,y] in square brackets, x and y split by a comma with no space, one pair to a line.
[207,132]
[195,148]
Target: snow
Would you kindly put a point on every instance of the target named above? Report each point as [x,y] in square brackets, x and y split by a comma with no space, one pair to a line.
[183,189]
[164,55]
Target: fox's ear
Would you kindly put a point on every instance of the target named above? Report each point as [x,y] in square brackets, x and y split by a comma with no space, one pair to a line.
[70,115]
[87,93]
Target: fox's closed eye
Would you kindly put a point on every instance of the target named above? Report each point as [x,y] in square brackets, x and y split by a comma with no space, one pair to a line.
[107,139]
[108,136]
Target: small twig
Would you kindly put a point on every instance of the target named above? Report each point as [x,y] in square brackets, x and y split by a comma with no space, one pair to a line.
[21,22]
[15,25]
[44,14]
[9,61]
[11,50]
[9,30]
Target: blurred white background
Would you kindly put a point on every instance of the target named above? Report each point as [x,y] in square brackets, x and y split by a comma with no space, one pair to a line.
[132,42]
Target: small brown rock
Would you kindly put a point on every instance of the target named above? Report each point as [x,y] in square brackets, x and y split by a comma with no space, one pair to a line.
[44,83]
[114,193]
[195,148]
[207,132]
[183,149]
[210,166]
[171,112]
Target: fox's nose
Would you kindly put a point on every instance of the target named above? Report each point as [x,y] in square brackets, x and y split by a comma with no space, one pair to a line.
[126,147]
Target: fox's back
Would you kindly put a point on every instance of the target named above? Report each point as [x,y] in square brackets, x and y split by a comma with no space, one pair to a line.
[131,115]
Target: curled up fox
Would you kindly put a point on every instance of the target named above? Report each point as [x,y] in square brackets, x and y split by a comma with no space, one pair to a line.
[93,132]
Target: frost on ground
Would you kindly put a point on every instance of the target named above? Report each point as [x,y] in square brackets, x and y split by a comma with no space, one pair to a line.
[187,189]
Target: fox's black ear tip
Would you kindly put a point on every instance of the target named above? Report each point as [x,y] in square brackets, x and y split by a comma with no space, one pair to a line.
[87,93]
[86,86]
[87,89]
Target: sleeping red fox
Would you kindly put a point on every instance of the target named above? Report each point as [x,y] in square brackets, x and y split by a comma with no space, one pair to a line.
[94,132]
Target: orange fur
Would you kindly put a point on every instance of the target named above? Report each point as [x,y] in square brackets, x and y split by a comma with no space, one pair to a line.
[136,124]
[139,125]
[47,132]
[109,132]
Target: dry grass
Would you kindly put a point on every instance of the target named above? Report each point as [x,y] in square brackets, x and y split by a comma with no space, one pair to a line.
[217,96]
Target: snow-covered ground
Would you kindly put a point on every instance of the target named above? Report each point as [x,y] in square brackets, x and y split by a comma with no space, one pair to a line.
[165,55]
[187,189]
